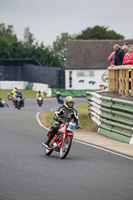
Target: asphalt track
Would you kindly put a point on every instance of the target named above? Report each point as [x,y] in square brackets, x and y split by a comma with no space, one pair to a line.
[26,173]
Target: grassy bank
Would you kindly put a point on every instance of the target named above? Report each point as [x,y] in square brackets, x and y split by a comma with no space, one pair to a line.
[84,118]
[28,94]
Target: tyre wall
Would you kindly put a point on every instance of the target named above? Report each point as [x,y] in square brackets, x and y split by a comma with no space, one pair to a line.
[113,116]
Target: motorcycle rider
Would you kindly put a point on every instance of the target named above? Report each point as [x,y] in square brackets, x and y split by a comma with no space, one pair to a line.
[39,93]
[14,90]
[64,113]
[19,95]
[59,98]
[13,97]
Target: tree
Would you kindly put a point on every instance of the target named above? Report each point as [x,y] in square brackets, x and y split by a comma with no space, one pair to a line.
[28,37]
[60,45]
[98,33]
[7,32]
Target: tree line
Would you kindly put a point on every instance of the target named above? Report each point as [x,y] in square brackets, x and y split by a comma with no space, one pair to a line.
[28,48]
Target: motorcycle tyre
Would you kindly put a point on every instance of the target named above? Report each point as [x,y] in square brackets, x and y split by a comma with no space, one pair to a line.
[63,155]
[9,98]
[18,105]
[48,151]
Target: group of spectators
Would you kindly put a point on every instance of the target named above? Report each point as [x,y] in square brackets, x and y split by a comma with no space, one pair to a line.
[121,55]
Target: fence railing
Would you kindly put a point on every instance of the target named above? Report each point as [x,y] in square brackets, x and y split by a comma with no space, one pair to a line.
[121,79]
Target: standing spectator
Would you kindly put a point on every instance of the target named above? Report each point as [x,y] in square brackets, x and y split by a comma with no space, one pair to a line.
[128,57]
[128,60]
[121,54]
[110,58]
[117,49]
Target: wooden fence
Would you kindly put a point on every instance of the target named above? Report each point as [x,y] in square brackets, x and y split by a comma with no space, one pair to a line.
[121,79]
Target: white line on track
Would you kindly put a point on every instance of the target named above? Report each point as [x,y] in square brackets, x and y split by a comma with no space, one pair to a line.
[87,144]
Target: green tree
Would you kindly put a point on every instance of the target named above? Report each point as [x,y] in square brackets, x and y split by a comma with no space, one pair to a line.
[60,44]
[7,33]
[4,49]
[98,33]
[28,37]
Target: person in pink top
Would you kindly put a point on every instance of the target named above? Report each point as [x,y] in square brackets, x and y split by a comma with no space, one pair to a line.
[128,57]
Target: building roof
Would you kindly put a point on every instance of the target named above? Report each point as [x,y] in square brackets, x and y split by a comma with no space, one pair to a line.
[90,54]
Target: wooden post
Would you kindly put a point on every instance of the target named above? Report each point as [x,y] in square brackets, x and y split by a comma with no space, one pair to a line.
[117,80]
[132,82]
[120,81]
[127,82]
[123,83]
[114,81]
[109,81]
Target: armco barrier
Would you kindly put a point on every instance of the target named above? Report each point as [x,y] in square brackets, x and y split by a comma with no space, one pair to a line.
[113,116]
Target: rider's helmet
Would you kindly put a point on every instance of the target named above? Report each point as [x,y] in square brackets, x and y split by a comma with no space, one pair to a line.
[57,92]
[39,92]
[15,88]
[19,92]
[69,102]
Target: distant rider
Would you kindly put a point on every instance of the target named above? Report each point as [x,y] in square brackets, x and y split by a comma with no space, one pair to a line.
[19,95]
[59,98]
[38,94]
[14,90]
[64,113]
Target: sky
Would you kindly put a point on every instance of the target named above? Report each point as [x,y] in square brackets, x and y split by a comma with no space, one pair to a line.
[47,19]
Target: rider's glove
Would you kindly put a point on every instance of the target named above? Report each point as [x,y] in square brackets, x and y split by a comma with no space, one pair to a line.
[78,126]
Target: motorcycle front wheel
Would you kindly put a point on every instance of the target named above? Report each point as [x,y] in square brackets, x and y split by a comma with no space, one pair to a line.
[66,148]
[18,105]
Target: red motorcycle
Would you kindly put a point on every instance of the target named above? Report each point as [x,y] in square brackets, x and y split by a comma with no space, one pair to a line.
[62,141]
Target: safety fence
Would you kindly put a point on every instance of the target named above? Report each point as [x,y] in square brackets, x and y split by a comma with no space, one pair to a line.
[113,116]
[121,79]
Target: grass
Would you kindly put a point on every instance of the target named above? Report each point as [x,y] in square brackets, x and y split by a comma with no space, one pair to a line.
[28,94]
[84,117]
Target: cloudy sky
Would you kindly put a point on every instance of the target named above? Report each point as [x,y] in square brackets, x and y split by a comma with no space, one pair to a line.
[47,19]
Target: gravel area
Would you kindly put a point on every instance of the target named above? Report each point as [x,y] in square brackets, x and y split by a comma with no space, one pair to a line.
[116,95]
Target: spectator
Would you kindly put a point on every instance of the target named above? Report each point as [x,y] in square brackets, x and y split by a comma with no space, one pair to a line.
[117,49]
[128,60]
[128,57]
[121,54]
[110,58]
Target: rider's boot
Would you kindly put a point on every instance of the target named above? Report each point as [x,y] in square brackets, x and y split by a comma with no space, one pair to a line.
[52,134]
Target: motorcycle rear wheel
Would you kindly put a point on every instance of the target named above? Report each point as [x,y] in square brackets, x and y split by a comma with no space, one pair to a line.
[9,98]
[67,145]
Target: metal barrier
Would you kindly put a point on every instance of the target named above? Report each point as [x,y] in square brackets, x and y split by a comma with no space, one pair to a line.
[113,116]
[121,79]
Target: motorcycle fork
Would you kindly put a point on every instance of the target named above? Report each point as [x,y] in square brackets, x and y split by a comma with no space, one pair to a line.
[64,136]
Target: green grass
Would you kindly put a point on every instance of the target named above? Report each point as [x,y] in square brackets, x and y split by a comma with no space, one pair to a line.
[28,94]
[82,109]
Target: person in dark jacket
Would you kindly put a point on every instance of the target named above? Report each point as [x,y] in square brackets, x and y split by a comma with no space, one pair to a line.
[121,54]
[117,49]
[64,113]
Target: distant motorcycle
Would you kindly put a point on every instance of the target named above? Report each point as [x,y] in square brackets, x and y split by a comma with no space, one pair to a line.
[3,103]
[39,100]
[19,103]
[62,141]
[9,95]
